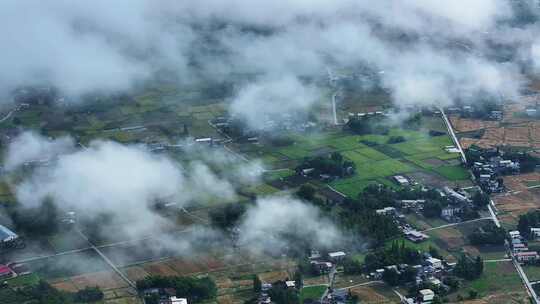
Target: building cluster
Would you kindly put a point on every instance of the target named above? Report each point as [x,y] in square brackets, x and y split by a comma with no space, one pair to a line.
[367,114]
[520,249]
[429,273]
[9,239]
[490,166]
[37,95]
[455,203]
[324,263]
[264,296]
[470,111]
[295,122]
[164,295]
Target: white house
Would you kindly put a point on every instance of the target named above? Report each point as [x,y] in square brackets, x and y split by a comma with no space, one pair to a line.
[527,256]
[434,262]
[175,300]
[336,256]
[535,232]
[426,295]
[514,234]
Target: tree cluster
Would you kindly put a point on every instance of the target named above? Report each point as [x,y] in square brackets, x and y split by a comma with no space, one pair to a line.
[395,254]
[226,217]
[393,278]
[364,126]
[194,289]
[488,235]
[44,293]
[469,268]
[334,164]
[480,200]
[527,162]
[89,295]
[360,216]
[41,220]
[280,294]
[432,209]
[527,221]
[396,139]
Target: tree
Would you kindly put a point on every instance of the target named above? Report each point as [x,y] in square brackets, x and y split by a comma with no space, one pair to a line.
[257,284]
[391,277]
[42,220]
[528,221]
[396,139]
[488,235]
[280,294]
[351,266]
[480,199]
[227,216]
[195,289]
[473,294]
[44,293]
[89,294]
[432,209]
[306,192]
[468,268]
[434,252]
[298,280]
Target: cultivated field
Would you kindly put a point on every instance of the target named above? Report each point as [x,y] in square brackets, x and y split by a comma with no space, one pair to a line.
[523,195]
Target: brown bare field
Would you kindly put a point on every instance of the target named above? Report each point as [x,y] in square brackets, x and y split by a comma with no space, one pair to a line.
[466,142]
[471,250]
[225,299]
[451,237]
[318,280]
[224,283]
[66,285]
[369,295]
[273,276]
[123,299]
[184,267]
[501,298]
[467,124]
[212,263]
[518,133]
[518,203]
[519,182]
[511,109]
[135,273]
[159,268]
[103,279]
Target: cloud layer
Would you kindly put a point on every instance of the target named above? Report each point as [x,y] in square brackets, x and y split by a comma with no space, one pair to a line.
[431,51]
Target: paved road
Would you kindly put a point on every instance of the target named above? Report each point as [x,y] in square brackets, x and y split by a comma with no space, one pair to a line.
[497,261]
[334,111]
[362,284]
[526,281]
[331,276]
[459,223]
[41,257]
[453,135]
[491,207]
[106,259]
[8,115]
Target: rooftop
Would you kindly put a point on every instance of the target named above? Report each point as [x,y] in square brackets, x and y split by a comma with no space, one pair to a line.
[7,235]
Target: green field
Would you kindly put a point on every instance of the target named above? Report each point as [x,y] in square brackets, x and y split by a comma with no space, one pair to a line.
[453,173]
[23,280]
[498,277]
[312,292]
[533,272]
